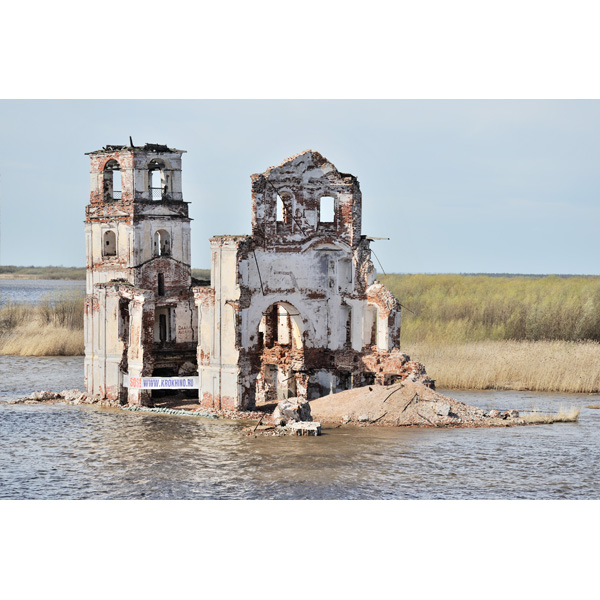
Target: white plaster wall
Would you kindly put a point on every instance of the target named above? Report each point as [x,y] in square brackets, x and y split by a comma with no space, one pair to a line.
[217,326]
[102,362]
[206,320]
[325,270]
[179,232]
[186,323]
[289,277]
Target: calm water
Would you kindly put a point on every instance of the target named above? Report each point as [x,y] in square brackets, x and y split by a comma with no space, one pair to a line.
[33,290]
[83,452]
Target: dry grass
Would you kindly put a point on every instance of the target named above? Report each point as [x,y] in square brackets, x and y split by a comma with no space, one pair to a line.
[53,327]
[537,366]
[33,340]
[564,415]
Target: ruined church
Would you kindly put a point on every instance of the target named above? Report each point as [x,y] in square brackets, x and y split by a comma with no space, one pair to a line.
[292,310]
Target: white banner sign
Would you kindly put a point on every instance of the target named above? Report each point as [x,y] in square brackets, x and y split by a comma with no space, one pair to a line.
[161,383]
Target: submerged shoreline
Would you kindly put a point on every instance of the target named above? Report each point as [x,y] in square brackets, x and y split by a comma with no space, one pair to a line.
[360,407]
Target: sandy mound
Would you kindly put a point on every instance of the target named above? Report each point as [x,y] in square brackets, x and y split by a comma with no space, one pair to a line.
[402,404]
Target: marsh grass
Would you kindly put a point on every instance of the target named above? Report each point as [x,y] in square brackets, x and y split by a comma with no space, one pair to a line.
[543,366]
[466,308]
[564,415]
[471,332]
[52,327]
[520,333]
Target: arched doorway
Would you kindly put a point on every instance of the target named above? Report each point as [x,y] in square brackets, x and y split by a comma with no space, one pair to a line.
[111,181]
[282,372]
[109,247]
[162,243]
[158,186]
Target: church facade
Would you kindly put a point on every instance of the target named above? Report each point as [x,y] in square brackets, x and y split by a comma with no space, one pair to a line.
[293,309]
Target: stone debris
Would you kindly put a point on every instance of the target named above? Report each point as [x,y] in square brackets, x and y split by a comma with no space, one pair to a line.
[64,397]
[305,428]
[290,410]
[43,395]
[291,416]
[507,414]
[406,404]
[74,396]
[443,410]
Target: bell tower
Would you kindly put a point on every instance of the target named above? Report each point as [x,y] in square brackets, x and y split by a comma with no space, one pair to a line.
[136,212]
[140,318]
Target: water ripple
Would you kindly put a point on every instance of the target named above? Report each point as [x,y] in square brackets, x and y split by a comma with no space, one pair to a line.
[67,452]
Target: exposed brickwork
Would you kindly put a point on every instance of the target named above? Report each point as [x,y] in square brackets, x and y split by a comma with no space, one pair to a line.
[292,310]
[295,308]
[140,316]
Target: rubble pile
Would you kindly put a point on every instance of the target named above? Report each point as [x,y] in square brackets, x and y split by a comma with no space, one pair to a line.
[290,417]
[405,404]
[74,397]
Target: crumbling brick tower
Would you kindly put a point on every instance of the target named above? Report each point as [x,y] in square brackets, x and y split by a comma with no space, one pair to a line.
[295,308]
[140,318]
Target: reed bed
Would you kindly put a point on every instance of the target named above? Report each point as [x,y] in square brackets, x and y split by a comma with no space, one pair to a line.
[564,415]
[543,366]
[471,332]
[52,327]
[467,308]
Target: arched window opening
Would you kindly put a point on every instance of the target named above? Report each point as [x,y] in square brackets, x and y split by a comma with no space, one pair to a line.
[281,325]
[112,181]
[162,243]
[284,209]
[161,284]
[109,246]
[157,180]
[281,342]
[164,325]
[371,326]
[327,209]
[277,325]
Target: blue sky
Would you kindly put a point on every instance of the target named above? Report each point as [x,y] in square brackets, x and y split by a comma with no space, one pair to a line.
[457,186]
